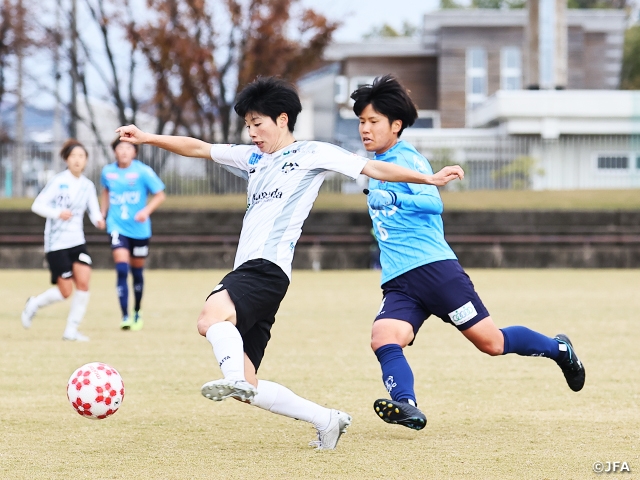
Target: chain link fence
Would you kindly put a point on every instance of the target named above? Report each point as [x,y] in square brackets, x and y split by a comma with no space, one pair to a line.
[490,163]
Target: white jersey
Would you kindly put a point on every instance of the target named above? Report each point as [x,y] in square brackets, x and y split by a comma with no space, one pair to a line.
[66,192]
[282,188]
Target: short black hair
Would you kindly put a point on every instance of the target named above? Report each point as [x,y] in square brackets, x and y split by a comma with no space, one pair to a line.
[117,142]
[388,97]
[68,147]
[270,96]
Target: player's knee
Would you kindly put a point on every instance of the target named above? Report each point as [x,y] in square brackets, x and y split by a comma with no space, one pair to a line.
[203,326]
[491,347]
[204,323]
[382,336]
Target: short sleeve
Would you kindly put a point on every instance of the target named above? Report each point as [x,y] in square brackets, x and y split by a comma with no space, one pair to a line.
[154,184]
[337,159]
[236,156]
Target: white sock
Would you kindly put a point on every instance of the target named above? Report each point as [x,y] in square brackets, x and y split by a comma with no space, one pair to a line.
[279,399]
[48,297]
[227,345]
[76,314]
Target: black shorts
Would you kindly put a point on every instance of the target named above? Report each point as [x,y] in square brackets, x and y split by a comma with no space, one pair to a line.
[61,261]
[138,247]
[256,288]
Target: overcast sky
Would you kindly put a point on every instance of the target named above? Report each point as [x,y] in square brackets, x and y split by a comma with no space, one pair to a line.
[359,16]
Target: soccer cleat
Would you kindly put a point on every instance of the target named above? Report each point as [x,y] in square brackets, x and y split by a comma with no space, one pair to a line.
[571,365]
[328,438]
[77,337]
[29,311]
[126,323]
[218,390]
[137,323]
[400,413]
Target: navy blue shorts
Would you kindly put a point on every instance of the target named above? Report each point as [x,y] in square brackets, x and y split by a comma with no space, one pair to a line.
[441,288]
[138,247]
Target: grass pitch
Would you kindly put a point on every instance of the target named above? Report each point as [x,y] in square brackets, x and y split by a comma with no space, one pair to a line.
[466,200]
[489,418]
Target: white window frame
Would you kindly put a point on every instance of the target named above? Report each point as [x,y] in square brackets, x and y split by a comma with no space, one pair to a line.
[472,73]
[341,90]
[507,72]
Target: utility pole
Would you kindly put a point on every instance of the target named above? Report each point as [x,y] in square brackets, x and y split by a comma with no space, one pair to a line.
[19,154]
[73,110]
[57,111]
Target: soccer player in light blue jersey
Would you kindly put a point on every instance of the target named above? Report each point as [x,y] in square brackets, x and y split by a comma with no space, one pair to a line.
[284,177]
[421,275]
[127,184]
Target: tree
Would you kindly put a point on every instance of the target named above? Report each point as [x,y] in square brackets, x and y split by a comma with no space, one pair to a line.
[198,70]
[630,78]
[449,4]
[387,31]
[6,41]
[510,4]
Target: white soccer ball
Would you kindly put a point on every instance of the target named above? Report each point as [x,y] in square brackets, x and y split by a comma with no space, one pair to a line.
[95,390]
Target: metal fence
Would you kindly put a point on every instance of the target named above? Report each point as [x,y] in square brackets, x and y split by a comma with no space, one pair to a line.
[490,162]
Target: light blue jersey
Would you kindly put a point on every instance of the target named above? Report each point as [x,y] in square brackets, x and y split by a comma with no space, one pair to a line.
[408,239]
[128,191]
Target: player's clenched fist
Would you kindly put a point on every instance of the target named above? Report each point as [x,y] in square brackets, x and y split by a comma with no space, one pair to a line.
[447,174]
[131,134]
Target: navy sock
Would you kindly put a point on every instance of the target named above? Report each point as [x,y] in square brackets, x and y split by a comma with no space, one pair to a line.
[396,373]
[526,342]
[122,270]
[138,286]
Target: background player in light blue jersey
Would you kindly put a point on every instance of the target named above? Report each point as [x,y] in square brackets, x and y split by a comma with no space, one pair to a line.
[127,184]
[421,275]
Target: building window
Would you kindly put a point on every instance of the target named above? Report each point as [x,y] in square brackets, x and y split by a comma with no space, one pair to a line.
[510,69]
[613,162]
[357,82]
[476,76]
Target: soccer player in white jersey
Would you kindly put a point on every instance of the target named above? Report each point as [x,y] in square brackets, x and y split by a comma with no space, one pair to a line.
[421,275]
[63,202]
[284,179]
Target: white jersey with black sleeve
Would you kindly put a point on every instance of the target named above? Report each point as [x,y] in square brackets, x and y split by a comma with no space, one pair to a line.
[65,191]
[282,188]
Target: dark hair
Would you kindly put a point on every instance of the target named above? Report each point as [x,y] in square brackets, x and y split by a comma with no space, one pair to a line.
[117,141]
[69,145]
[388,97]
[270,96]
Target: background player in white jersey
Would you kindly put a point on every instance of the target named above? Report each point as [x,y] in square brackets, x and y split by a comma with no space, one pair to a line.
[63,202]
[126,185]
[421,275]
[284,179]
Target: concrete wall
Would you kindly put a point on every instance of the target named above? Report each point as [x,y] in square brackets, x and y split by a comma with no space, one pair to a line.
[339,240]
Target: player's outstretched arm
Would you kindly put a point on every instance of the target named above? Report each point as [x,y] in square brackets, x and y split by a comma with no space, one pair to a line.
[185,146]
[395,173]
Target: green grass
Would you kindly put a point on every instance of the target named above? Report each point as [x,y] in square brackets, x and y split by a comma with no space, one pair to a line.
[473,200]
[489,418]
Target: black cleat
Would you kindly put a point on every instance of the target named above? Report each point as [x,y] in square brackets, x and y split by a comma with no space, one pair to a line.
[571,365]
[400,413]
